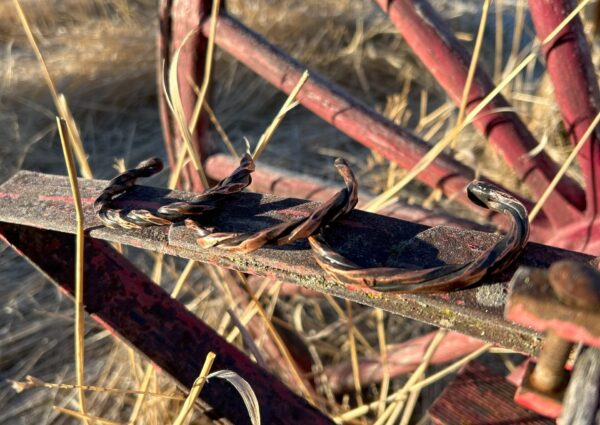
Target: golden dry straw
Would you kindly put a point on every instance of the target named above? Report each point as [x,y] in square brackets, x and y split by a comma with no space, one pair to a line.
[287,106]
[195,390]
[79,247]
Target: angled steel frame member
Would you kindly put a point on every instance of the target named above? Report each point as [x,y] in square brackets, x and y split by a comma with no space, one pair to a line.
[177,19]
[127,302]
[434,44]
[569,64]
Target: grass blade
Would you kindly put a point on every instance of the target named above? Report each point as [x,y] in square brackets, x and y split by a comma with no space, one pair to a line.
[63,131]
[245,390]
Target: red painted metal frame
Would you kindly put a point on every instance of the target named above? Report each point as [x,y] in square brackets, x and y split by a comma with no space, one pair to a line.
[336,106]
[350,115]
[126,302]
[569,64]
[448,61]
[177,19]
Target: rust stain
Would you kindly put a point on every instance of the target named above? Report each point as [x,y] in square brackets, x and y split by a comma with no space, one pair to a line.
[65,199]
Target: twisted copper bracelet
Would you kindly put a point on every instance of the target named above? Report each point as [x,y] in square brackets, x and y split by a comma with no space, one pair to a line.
[289,231]
[167,214]
[443,278]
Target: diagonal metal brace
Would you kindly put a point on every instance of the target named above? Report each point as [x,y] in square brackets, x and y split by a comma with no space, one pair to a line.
[124,300]
[44,201]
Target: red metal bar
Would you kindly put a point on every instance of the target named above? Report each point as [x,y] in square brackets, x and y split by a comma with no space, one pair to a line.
[402,358]
[126,301]
[569,64]
[448,61]
[177,19]
[337,107]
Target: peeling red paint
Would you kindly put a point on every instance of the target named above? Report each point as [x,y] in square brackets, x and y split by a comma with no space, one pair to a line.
[9,195]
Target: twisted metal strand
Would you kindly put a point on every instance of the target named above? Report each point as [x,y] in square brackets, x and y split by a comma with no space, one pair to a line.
[442,278]
[239,179]
[288,231]
[167,214]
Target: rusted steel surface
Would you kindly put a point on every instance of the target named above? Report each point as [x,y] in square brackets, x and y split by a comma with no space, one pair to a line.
[269,179]
[177,19]
[127,302]
[569,64]
[576,284]
[337,107]
[478,396]
[448,61]
[549,373]
[533,303]
[40,200]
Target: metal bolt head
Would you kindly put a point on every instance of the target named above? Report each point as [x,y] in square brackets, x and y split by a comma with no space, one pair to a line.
[575,284]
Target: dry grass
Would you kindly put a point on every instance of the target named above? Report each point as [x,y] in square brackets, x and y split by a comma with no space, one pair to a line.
[100,54]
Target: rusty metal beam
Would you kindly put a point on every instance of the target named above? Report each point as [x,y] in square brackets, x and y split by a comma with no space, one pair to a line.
[44,201]
[124,300]
[177,19]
